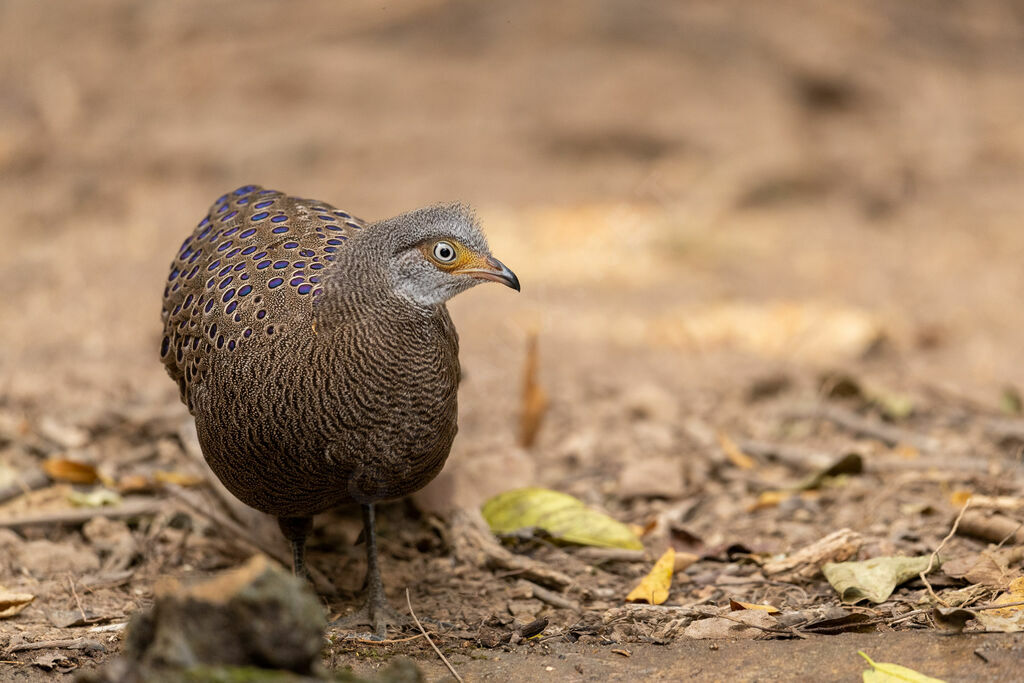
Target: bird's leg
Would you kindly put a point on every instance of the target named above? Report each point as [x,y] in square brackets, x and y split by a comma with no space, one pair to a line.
[376,611]
[296,529]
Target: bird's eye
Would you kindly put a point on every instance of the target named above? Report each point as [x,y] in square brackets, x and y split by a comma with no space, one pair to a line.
[444,252]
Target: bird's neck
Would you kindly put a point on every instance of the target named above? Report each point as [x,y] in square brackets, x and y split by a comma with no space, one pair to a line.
[358,291]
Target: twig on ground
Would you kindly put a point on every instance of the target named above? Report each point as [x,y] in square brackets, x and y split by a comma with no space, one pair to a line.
[935,554]
[76,516]
[549,596]
[70,644]
[796,456]
[852,422]
[1008,536]
[36,479]
[408,601]
[991,527]
[984,608]
[810,459]
[78,601]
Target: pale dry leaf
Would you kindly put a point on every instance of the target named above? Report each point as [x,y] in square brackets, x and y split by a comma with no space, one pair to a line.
[1007,619]
[873,579]
[719,627]
[736,605]
[13,603]
[654,588]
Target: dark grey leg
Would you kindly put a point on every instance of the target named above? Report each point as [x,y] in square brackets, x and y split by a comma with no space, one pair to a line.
[376,611]
[296,529]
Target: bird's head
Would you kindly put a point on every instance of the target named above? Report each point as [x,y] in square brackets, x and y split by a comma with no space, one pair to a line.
[438,252]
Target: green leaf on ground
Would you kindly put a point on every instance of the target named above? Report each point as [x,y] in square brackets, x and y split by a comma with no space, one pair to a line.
[882,672]
[562,516]
[873,579]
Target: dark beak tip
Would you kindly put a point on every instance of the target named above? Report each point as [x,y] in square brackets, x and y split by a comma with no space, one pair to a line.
[506,276]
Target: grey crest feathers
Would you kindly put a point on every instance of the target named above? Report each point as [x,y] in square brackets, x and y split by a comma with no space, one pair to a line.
[451,221]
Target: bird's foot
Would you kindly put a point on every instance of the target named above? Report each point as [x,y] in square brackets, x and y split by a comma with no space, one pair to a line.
[376,613]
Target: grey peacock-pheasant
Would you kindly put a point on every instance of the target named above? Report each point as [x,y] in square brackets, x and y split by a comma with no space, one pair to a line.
[317,356]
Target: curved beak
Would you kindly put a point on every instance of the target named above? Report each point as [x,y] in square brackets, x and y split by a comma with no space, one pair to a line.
[491,269]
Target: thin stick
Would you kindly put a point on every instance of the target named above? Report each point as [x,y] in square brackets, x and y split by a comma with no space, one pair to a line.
[129,508]
[852,422]
[1008,536]
[995,606]
[78,601]
[550,597]
[71,644]
[444,659]
[935,554]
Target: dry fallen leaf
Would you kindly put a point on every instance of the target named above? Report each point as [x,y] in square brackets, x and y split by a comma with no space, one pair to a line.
[734,454]
[178,478]
[535,399]
[564,517]
[134,483]
[1006,619]
[883,672]
[736,605]
[990,568]
[960,497]
[769,499]
[873,579]
[71,471]
[12,603]
[653,588]
[952,619]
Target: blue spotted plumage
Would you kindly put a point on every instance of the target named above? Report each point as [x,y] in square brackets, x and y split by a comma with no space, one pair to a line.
[256,266]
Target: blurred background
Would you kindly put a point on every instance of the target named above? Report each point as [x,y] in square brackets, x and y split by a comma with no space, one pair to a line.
[693,194]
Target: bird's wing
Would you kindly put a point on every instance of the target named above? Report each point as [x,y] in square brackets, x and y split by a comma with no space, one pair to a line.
[251,266]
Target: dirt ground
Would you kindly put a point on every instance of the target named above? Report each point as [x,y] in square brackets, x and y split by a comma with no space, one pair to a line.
[751,241]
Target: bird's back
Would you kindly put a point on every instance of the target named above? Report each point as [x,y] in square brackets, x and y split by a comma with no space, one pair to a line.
[252,266]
